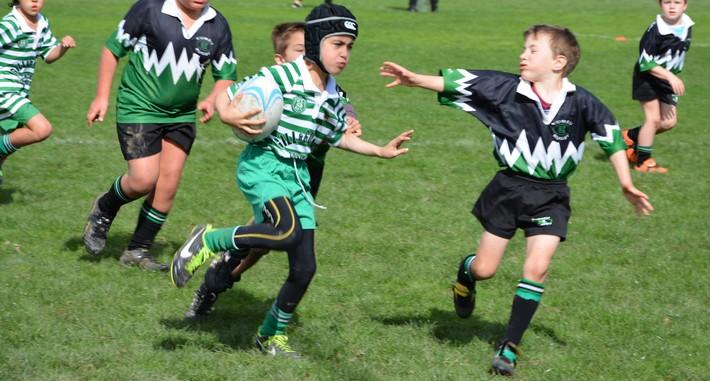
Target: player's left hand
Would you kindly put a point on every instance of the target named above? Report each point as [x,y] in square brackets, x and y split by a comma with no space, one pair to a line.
[394,147]
[68,42]
[207,109]
[354,127]
[638,199]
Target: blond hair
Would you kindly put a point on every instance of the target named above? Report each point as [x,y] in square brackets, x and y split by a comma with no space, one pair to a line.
[282,32]
[562,42]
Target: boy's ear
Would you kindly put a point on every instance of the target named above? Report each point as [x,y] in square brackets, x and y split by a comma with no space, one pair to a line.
[279,59]
[560,63]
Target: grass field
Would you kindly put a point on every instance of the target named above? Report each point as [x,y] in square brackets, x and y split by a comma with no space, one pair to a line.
[627,298]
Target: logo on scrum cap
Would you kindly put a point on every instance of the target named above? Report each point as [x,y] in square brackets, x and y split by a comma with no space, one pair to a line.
[350,25]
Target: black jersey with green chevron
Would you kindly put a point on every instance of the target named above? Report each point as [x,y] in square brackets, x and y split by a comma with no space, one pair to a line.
[664,45]
[161,82]
[527,139]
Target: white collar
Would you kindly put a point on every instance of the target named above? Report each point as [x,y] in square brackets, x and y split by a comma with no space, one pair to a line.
[330,85]
[170,8]
[525,89]
[664,28]
[24,26]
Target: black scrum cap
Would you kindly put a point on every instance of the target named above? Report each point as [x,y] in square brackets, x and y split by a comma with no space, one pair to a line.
[324,21]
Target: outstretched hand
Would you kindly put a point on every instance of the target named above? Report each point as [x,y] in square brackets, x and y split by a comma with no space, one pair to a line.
[394,147]
[401,75]
[639,200]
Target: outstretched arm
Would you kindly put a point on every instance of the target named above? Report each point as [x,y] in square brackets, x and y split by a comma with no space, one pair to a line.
[634,196]
[404,77]
[353,143]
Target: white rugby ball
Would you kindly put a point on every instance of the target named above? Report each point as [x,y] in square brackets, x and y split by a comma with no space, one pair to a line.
[264,94]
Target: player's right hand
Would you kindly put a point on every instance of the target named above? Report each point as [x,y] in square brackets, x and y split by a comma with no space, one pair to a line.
[97,111]
[401,75]
[677,85]
[242,120]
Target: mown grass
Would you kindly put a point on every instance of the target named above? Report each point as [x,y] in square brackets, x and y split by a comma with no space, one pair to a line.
[627,298]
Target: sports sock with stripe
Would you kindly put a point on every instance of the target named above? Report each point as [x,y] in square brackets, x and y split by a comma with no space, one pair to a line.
[149,223]
[275,322]
[643,153]
[527,298]
[112,200]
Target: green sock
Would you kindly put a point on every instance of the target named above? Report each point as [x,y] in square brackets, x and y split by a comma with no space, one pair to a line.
[221,239]
[275,322]
[6,147]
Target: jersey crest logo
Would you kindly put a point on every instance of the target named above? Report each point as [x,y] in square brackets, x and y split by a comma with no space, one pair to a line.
[560,129]
[203,45]
[299,105]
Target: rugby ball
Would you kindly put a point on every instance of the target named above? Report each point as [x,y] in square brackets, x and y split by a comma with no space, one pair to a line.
[264,94]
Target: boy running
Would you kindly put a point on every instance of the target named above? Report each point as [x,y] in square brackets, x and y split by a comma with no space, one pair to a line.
[273,175]
[656,85]
[538,120]
[169,44]
[288,43]
[24,36]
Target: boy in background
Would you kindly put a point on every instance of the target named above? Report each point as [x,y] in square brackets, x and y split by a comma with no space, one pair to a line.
[538,120]
[156,111]
[656,85]
[24,36]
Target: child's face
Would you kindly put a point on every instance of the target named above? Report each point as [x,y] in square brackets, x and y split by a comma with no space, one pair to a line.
[335,53]
[537,61]
[672,10]
[193,5]
[31,8]
[295,47]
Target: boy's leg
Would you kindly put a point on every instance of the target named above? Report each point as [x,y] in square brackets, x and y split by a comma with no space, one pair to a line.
[539,252]
[282,232]
[156,208]
[139,180]
[479,266]
[646,135]
[218,279]
[35,130]
[271,338]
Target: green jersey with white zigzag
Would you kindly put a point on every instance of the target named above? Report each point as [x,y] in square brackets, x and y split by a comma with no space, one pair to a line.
[545,144]
[161,82]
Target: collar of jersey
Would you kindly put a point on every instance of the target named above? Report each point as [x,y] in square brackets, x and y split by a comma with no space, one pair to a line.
[170,8]
[525,89]
[664,28]
[41,23]
[330,85]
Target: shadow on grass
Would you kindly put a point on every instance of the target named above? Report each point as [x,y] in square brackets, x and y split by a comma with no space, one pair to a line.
[234,321]
[448,328]
[115,245]
[6,195]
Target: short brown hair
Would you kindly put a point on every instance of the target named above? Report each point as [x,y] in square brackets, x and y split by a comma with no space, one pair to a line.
[282,32]
[562,42]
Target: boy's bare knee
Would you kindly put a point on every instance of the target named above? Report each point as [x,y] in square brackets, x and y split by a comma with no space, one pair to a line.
[667,124]
[141,183]
[483,274]
[42,131]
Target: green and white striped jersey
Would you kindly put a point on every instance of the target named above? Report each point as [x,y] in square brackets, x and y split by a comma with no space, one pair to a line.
[20,46]
[310,117]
